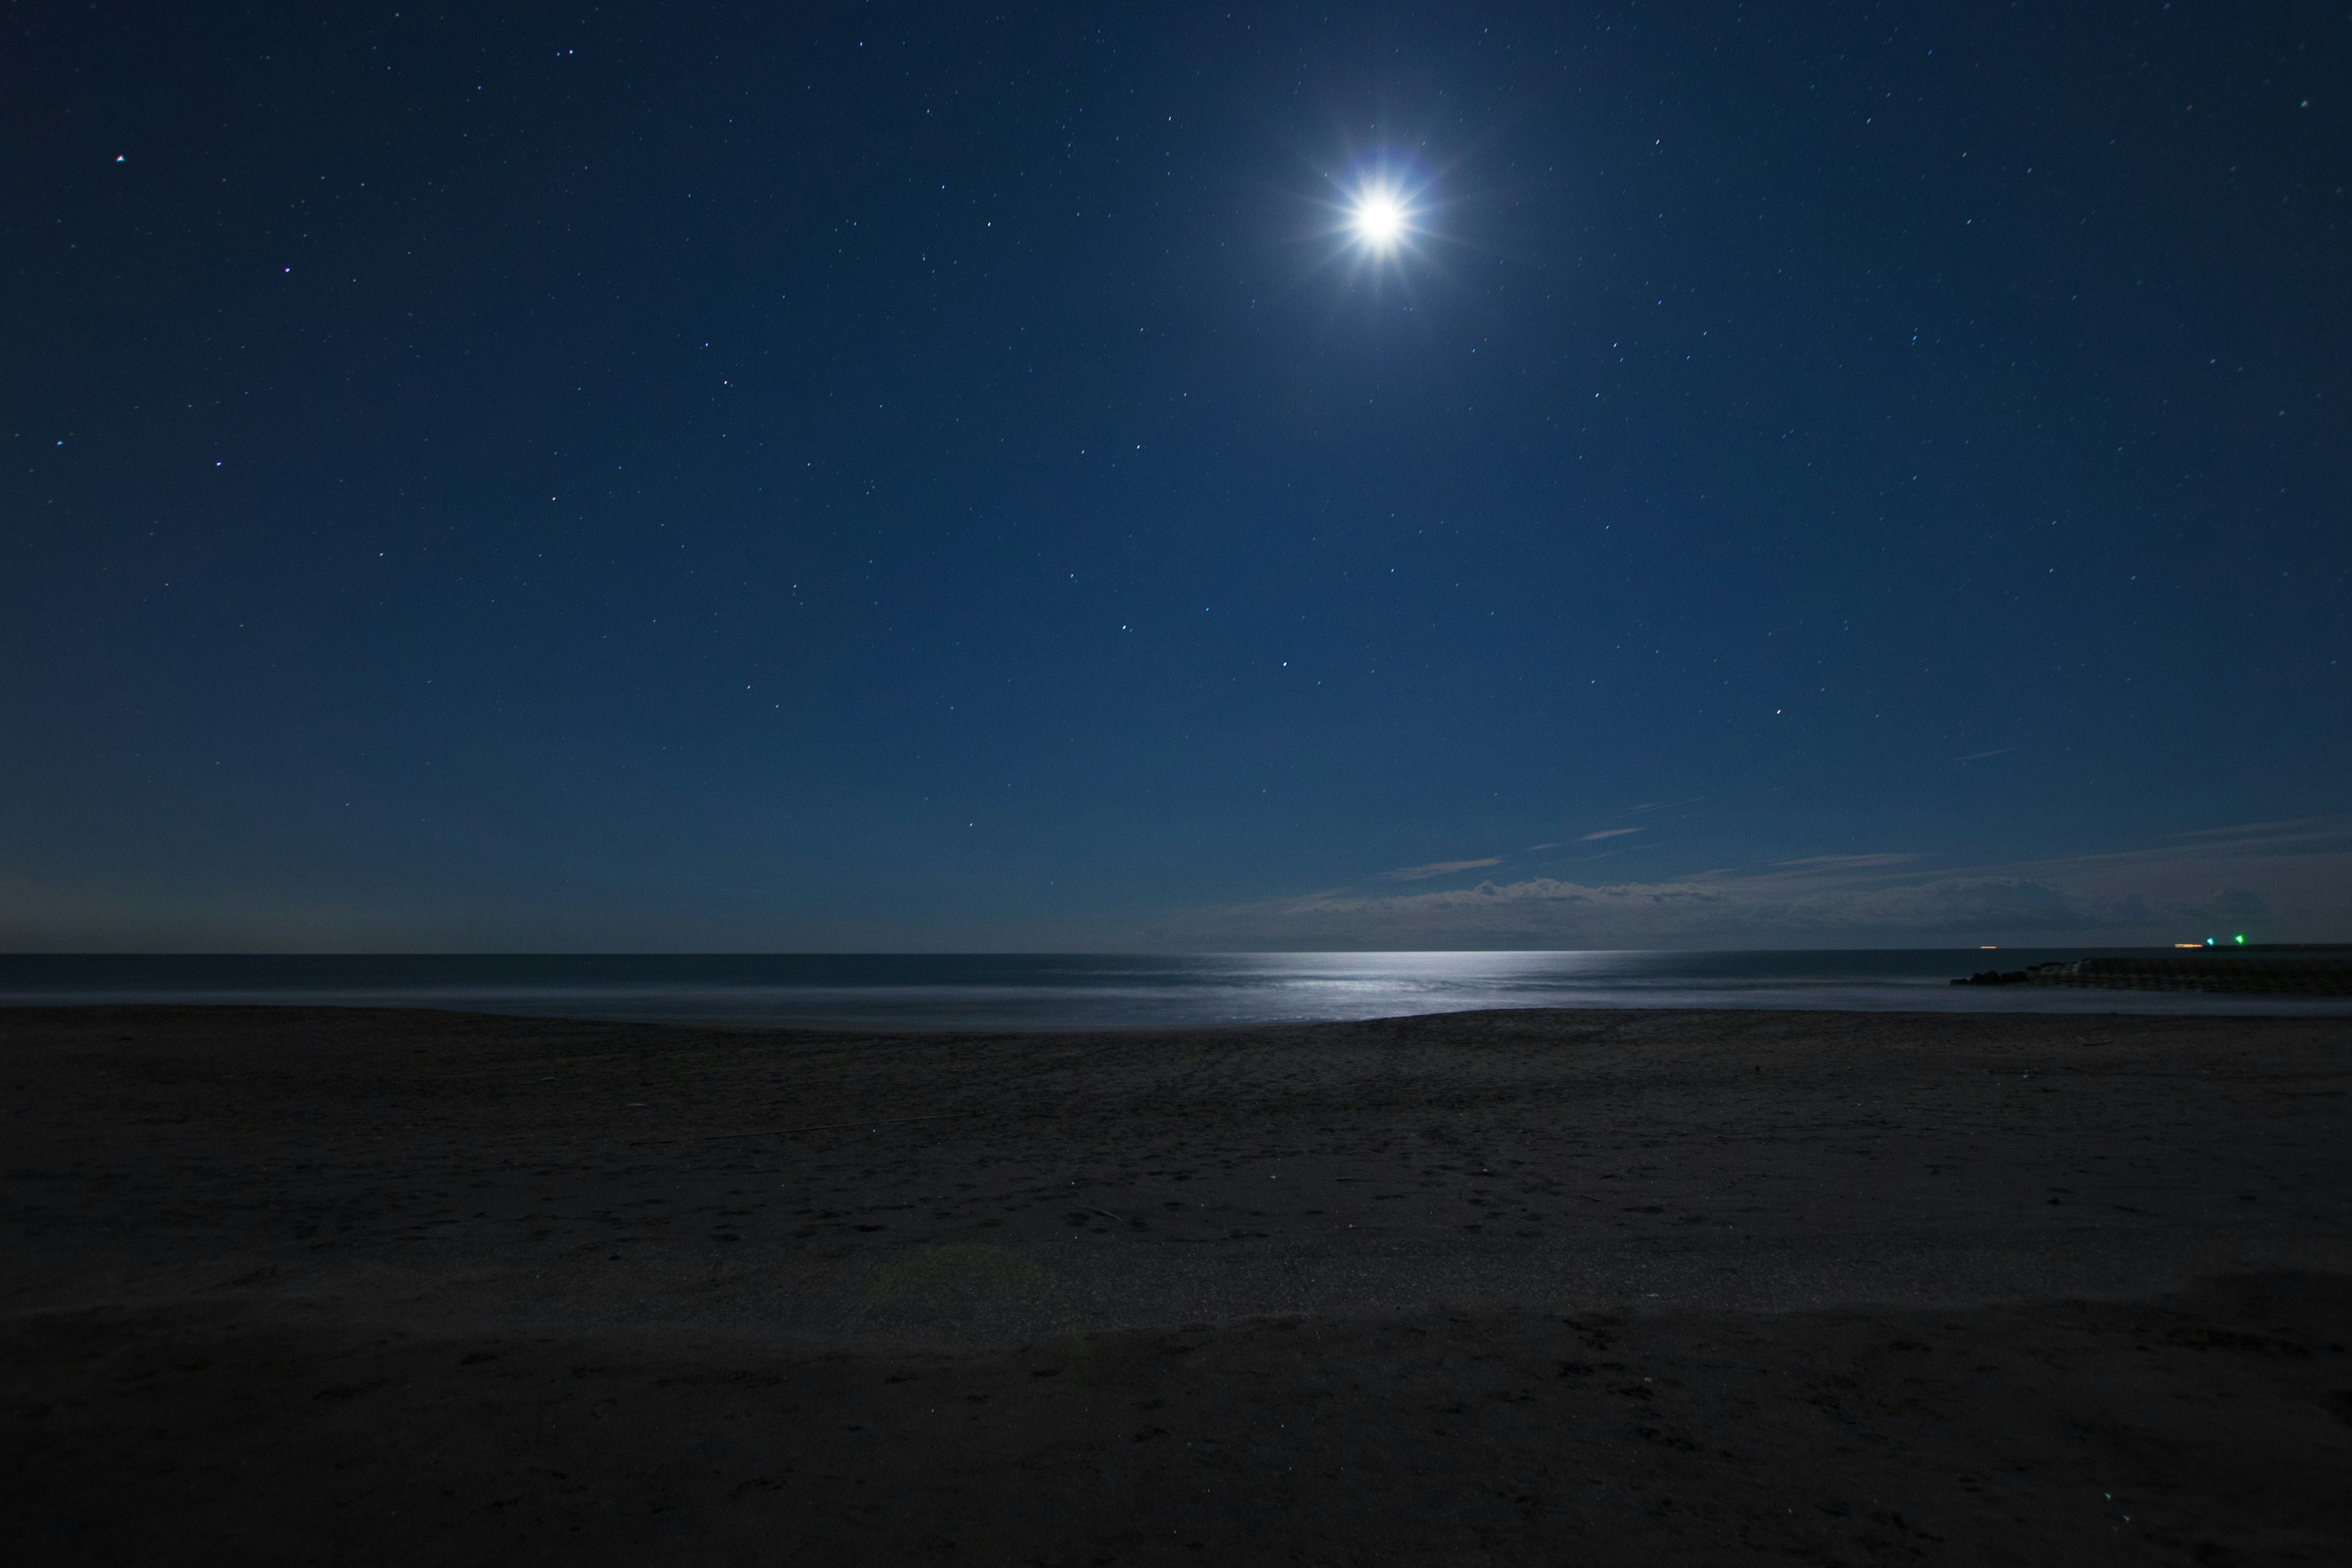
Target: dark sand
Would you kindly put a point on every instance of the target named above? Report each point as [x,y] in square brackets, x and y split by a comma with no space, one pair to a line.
[377,1286]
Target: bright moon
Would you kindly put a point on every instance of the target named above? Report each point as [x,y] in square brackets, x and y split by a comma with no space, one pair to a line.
[1379,220]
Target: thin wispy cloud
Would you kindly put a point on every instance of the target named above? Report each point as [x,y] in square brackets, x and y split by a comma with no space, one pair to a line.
[1438,868]
[2291,881]
[1665,804]
[2292,829]
[1980,756]
[1608,833]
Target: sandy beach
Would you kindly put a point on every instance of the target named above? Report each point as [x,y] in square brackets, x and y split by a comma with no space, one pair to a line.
[1670,1287]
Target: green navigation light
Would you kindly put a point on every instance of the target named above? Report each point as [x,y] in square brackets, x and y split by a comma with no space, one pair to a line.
[2242,939]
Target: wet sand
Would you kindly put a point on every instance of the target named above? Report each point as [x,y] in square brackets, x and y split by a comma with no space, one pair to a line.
[393,1287]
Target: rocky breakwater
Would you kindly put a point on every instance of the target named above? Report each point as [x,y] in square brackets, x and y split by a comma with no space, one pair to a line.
[2316,972]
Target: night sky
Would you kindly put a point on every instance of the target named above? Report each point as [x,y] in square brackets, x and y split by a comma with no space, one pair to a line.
[744,477]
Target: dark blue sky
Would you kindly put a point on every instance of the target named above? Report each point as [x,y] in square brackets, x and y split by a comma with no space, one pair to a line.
[754,477]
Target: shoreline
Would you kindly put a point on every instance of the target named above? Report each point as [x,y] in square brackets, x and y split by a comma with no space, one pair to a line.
[2049,1001]
[1032,994]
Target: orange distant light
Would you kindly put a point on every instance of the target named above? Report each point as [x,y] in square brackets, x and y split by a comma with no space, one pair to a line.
[1989,947]
[2197,944]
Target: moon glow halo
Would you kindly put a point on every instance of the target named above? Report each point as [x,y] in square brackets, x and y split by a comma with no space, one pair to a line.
[1377,218]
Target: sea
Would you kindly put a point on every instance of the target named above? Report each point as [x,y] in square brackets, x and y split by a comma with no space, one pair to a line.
[1046,991]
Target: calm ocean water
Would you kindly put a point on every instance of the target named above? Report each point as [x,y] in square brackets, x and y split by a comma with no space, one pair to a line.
[1040,991]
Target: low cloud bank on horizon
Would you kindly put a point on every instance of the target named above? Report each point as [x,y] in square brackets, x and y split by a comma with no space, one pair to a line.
[2292,881]
[2283,882]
